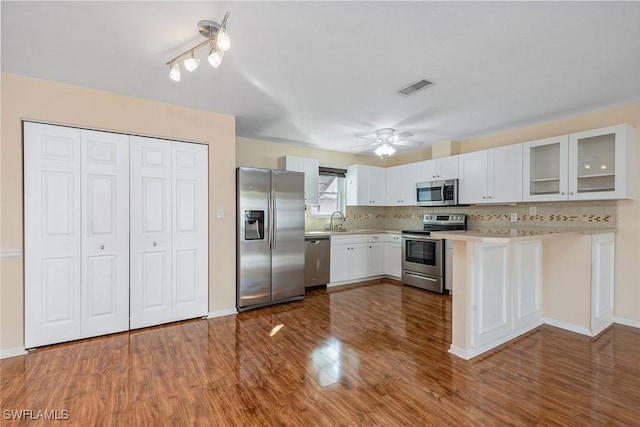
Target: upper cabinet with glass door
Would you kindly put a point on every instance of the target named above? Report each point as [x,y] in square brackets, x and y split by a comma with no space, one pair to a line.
[545,169]
[592,165]
[602,164]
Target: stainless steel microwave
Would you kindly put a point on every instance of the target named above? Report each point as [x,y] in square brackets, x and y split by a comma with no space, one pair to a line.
[437,193]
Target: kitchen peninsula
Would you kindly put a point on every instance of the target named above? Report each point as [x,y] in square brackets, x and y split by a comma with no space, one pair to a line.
[507,282]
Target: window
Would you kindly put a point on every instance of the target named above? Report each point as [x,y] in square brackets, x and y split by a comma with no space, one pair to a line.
[331,192]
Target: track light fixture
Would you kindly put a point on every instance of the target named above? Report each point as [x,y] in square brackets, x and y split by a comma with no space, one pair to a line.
[218,41]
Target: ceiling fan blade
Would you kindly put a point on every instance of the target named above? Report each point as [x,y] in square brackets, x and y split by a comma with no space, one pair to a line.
[373,135]
[355,147]
[409,143]
[404,134]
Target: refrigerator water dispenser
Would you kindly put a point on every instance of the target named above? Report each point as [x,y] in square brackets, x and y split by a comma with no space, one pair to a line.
[253,225]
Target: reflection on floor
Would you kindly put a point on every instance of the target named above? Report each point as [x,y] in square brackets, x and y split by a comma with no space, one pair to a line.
[372,354]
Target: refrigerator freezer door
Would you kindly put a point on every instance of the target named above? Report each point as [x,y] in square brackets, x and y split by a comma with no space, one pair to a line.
[287,258]
[253,256]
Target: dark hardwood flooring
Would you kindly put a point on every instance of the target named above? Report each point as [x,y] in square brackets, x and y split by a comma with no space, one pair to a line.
[372,354]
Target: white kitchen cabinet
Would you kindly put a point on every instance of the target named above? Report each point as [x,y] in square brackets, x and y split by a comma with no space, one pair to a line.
[366,185]
[310,169]
[393,256]
[602,164]
[348,258]
[401,185]
[592,165]
[545,169]
[375,255]
[491,176]
[439,169]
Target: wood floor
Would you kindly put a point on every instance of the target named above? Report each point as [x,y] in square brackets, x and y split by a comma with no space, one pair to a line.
[372,354]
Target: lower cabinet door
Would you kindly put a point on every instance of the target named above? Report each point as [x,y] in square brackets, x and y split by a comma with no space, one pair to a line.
[339,263]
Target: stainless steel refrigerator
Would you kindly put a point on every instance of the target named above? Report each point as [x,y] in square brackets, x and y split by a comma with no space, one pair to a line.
[270,237]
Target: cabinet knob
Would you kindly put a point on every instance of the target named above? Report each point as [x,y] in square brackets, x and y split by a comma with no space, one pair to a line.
[562,193]
[155,243]
[101,247]
[484,197]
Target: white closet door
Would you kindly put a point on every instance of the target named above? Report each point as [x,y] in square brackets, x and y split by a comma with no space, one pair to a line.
[52,234]
[189,280]
[150,228]
[105,233]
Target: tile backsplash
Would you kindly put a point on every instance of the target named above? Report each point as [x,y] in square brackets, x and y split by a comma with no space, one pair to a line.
[593,214]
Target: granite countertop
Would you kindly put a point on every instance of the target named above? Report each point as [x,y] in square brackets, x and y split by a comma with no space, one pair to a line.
[312,233]
[517,234]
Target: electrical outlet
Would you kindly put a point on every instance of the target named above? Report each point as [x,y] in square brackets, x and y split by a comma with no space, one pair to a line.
[514,216]
[220,212]
[532,210]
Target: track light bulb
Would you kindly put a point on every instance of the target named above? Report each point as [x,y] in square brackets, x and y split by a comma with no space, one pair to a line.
[223,41]
[175,72]
[215,57]
[191,63]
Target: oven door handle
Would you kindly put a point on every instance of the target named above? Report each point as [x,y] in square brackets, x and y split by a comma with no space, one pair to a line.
[420,276]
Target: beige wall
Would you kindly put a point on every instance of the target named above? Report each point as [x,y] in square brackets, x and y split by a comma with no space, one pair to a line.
[263,154]
[26,98]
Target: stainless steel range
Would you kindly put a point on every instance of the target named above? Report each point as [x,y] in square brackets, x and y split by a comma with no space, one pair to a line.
[424,263]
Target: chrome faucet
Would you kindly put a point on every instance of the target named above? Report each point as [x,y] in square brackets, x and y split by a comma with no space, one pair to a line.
[331,227]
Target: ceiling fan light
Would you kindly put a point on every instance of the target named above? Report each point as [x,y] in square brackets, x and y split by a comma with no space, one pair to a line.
[223,40]
[385,150]
[191,63]
[175,72]
[215,57]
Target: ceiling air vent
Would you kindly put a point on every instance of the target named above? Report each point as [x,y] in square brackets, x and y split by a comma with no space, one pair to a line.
[415,87]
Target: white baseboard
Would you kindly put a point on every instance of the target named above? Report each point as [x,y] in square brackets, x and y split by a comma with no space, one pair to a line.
[221,313]
[360,280]
[11,352]
[569,327]
[627,322]
[473,352]
[460,352]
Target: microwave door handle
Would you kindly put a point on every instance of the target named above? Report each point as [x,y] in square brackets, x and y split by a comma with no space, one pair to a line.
[442,193]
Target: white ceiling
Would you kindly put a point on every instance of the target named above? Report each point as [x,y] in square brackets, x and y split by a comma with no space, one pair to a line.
[320,73]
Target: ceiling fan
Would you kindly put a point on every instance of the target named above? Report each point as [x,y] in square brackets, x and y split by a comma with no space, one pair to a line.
[386,138]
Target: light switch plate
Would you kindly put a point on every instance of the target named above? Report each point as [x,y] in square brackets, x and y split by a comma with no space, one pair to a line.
[220,212]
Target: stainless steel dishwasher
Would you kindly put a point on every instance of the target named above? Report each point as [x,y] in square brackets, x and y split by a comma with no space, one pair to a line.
[317,260]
